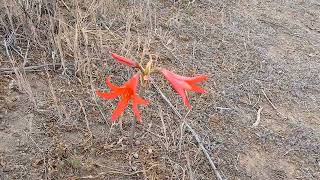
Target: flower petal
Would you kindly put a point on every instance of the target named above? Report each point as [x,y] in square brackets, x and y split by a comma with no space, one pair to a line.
[174,81]
[106,95]
[183,94]
[177,85]
[198,78]
[136,111]
[110,85]
[141,101]
[122,104]
[124,60]
[182,83]
[196,88]
[136,101]
[133,83]
[173,75]
[180,87]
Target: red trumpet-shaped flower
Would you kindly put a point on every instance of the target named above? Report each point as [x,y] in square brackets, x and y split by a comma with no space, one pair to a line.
[182,83]
[125,60]
[127,92]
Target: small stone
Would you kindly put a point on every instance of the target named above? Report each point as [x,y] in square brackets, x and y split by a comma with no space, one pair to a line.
[16,134]
[137,142]
[134,168]
[37,162]
[108,146]
[93,150]
[150,151]
[13,85]
[135,155]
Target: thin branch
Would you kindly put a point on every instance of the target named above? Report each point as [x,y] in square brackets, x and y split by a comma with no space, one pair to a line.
[87,121]
[255,124]
[133,129]
[164,129]
[273,106]
[193,132]
[265,95]
[35,68]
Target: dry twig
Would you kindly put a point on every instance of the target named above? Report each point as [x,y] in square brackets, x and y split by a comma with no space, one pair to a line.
[273,106]
[255,124]
[85,117]
[35,68]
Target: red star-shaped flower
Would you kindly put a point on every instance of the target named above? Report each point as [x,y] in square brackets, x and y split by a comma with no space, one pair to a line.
[182,83]
[127,92]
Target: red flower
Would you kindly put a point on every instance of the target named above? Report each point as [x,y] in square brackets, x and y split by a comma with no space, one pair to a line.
[125,60]
[127,92]
[182,83]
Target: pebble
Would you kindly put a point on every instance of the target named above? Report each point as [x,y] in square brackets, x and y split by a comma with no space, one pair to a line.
[137,142]
[15,134]
[13,85]
[134,168]
[135,155]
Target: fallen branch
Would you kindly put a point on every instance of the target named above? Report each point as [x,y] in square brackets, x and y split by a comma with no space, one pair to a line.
[35,68]
[273,106]
[87,122]
[255,124]
[193,132]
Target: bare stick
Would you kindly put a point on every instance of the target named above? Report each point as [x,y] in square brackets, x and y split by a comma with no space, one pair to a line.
[182,131]
[133,128]
[85,117]
[265,95]
[164,129]
[42,67]
[193,132]
[273,106]
[255,124]
[22,82]
[25,58]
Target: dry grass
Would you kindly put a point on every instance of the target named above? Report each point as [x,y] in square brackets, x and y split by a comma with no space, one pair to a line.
[262,59]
